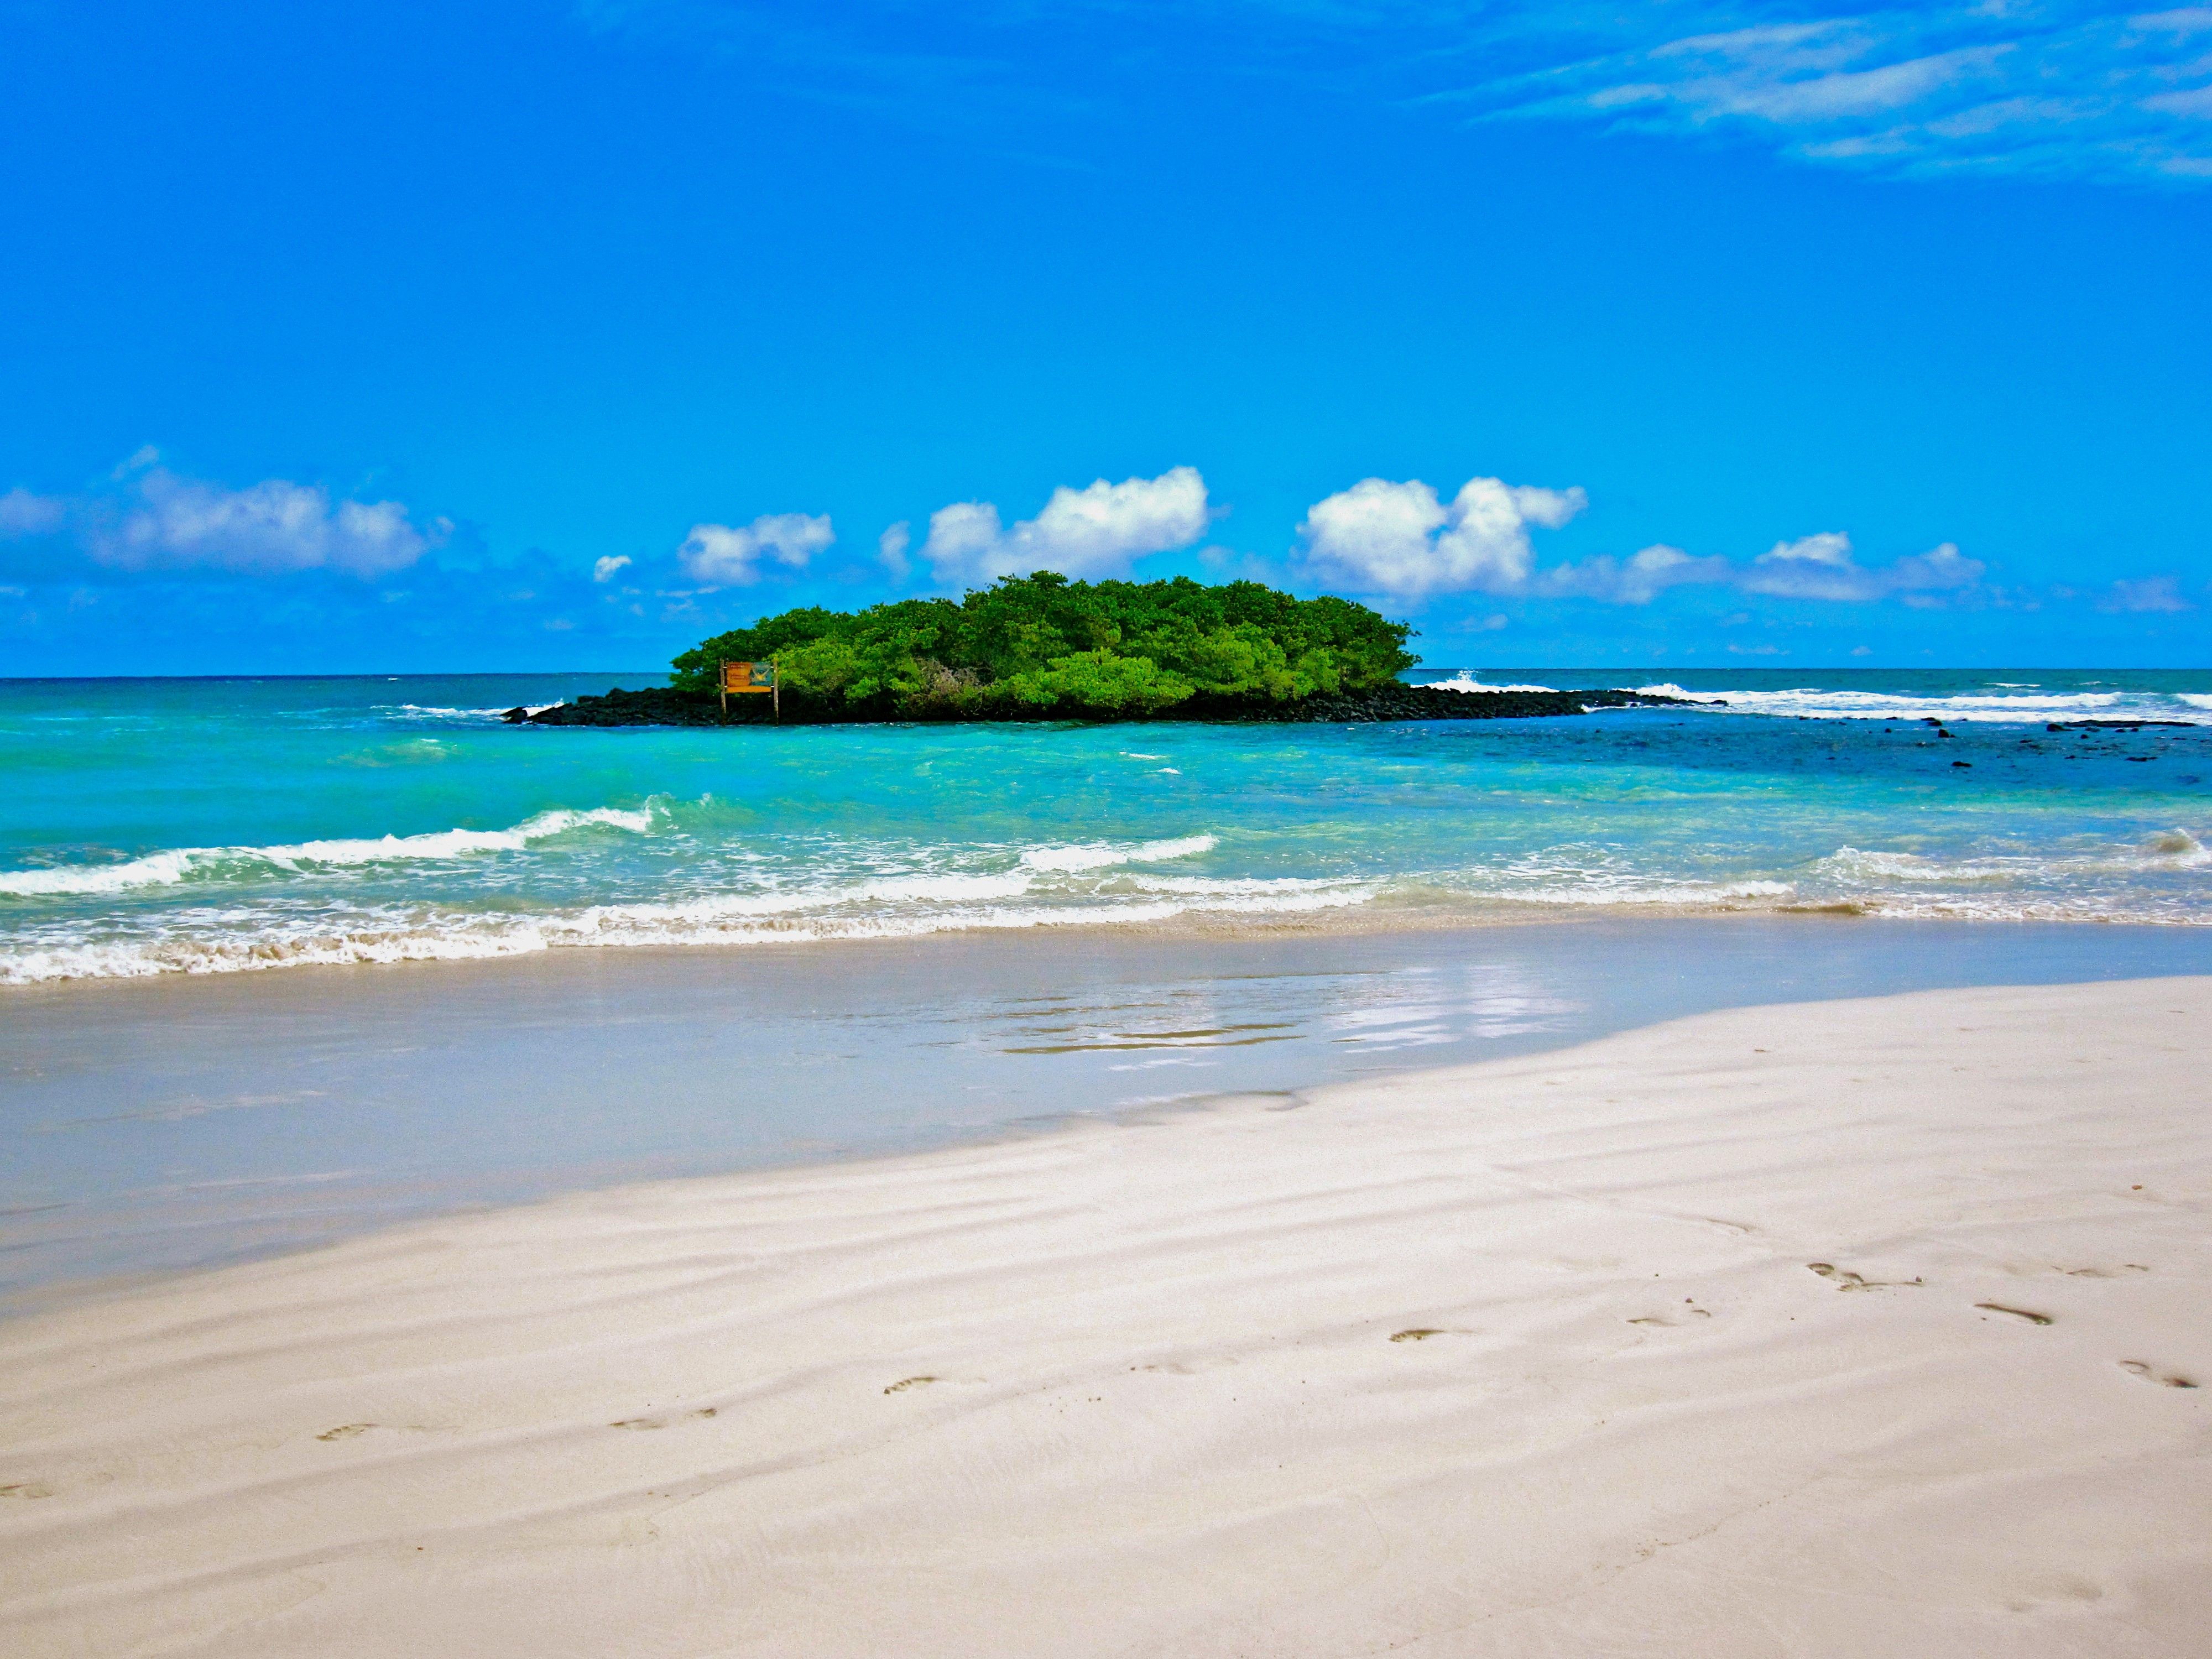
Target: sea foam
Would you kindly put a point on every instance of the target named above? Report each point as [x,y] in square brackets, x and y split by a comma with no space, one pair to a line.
[183,863]
[2009,702]
[2022,709]
[1101,855]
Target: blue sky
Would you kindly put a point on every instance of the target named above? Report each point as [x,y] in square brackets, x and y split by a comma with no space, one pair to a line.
[558,335]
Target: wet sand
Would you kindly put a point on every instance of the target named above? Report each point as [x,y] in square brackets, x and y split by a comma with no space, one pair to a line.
[1842,1328]
[151,1127]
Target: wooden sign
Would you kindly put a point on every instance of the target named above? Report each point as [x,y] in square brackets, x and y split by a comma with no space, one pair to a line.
[750,677]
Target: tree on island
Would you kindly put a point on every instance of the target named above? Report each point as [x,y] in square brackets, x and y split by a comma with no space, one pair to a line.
[1027,644]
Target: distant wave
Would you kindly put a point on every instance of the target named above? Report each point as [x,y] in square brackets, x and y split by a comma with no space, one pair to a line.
[1464,681]
[2028,707]
[2009,702]
[183,863]
[422,711]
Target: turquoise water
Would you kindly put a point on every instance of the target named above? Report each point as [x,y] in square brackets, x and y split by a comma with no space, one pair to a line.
[195,826]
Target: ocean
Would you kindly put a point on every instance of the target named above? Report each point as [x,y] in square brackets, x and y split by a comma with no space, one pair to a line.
[283,959]
[206,826]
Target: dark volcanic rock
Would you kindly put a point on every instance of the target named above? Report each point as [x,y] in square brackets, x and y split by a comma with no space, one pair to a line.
[660,707]
[2109,726]
[668,707]
[1413,702]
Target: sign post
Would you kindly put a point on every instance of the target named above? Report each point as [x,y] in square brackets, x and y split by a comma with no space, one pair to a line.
[747,676]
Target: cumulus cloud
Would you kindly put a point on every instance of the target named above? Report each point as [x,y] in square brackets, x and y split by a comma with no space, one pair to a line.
[2148,593]
[1400,539]
[724,556]
[153,519]
[605,569]
[1822,567]
[1091,533]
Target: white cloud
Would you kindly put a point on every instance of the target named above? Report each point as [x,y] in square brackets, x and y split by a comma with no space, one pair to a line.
[1091,533]
[1980,85]
[605,570]
[23,514]
[157,520]
[1399,539]
[723,556]
[1638,580]
[1821,567]
[2147,593]
[891,550]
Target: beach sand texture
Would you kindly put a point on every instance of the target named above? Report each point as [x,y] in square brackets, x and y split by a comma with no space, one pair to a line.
[1846,1328]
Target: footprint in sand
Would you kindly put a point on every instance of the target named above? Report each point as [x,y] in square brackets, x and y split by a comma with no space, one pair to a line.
[2017,1313]
[1844,1280]
[1418,1334]
[345,1431]
[1687,1302]
[906,1382]
[2152,1374]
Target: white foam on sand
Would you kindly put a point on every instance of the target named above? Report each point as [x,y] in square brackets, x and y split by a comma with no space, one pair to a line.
[1862,1327]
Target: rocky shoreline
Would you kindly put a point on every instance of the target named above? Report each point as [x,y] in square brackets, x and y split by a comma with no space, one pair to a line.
[669,707]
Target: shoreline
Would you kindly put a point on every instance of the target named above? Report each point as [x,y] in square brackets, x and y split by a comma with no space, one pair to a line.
[154,1126]
[1719,1335]
[1411,908]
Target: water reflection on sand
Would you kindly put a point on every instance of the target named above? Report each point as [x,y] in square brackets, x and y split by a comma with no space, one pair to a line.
[151,1127]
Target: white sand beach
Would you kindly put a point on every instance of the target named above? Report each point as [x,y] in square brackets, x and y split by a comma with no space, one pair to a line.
[1860,1328]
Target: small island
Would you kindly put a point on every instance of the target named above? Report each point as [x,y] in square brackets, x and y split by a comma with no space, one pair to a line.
[1045,647]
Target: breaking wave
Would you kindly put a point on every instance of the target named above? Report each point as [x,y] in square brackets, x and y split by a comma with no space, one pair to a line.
[185,863]
[1464,681]
[1101,855]
[2002,702]
[758,899]
[423,711]
[867,910]
[2024,705]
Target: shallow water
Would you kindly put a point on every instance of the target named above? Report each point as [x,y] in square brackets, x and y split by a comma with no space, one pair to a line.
[182,1121]
[160,827]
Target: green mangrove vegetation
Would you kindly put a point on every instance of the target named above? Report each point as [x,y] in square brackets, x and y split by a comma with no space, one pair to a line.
[1045,645]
